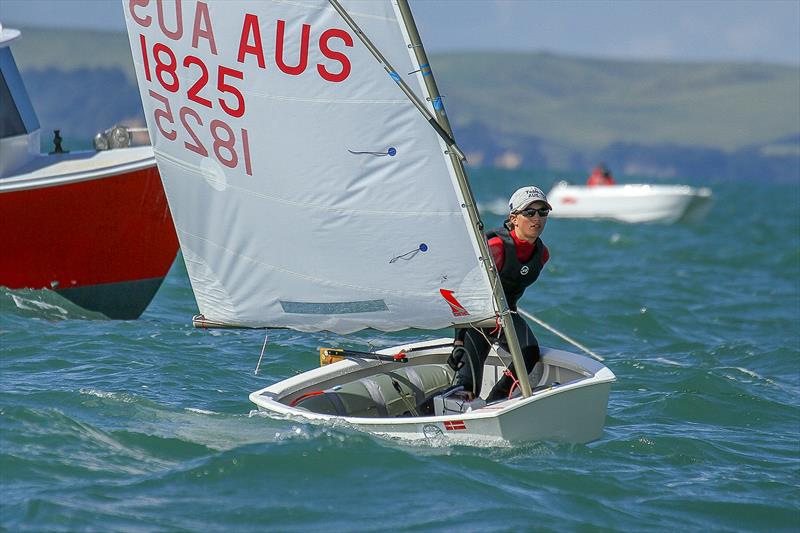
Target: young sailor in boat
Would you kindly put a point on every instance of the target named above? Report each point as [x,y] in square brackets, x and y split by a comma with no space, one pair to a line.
[600,176]
[519,255]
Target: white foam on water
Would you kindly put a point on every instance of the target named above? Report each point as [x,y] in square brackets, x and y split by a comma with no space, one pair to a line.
[36,305]
[98,393]
[117,396]
[669,362]
[749,372]
[201,411]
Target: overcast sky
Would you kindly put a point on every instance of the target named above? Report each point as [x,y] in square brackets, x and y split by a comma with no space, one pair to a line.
[695,30]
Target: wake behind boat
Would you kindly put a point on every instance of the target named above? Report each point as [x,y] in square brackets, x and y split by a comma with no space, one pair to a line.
[313,188]
[631,202]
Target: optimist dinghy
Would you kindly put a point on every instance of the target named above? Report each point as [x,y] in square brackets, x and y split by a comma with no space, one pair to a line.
[314,188]
[631,202]
[410,401]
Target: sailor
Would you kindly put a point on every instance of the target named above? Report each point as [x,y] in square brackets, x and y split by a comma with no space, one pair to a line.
[600,176]
[519,255]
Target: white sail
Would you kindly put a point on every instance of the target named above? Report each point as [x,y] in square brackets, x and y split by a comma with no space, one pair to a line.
[306,189]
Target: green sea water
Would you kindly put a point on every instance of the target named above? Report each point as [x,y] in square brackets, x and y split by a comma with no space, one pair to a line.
[145,425]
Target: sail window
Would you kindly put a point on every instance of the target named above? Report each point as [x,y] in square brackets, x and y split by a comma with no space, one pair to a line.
[334,308]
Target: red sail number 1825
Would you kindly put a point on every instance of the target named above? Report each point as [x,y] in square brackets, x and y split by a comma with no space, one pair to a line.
[224,137]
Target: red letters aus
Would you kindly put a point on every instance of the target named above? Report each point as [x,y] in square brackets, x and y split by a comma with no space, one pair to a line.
[336,56]
[279,38]
[250,28]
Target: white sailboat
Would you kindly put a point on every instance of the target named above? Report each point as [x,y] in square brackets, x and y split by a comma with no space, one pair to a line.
[312,188]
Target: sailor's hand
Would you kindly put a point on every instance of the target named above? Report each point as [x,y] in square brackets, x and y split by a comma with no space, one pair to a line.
[456,358]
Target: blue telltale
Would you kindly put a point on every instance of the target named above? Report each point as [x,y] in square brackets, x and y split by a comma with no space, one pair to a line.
[408,256]
[391,151]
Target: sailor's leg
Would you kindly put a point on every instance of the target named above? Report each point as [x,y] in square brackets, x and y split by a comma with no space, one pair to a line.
[530,354]
[472,349]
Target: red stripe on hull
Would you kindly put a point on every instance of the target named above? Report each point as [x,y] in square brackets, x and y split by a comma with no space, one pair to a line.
[106,230]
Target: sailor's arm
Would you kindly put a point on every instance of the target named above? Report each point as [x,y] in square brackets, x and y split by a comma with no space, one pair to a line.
[498,252]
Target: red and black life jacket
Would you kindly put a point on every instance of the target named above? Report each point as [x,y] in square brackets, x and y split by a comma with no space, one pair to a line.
[515,275]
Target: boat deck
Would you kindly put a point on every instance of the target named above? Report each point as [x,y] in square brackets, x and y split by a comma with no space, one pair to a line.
[47,170]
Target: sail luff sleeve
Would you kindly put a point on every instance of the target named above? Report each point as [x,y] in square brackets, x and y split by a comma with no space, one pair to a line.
[443,124]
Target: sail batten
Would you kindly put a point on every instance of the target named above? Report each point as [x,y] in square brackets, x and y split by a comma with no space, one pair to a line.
[307,191]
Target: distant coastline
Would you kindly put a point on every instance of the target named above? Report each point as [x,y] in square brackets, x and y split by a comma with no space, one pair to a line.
[663,120]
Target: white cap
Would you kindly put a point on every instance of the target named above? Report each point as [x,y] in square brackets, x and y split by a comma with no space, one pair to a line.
[525,197]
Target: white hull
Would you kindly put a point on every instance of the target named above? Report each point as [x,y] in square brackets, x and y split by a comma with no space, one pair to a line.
[569,403]
[631,203]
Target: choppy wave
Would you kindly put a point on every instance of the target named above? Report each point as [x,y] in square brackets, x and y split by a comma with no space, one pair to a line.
[43,304]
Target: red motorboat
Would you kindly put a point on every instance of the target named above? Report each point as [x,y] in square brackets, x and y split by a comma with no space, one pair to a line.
[93,226]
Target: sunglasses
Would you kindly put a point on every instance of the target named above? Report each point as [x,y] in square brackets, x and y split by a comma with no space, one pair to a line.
[528,213]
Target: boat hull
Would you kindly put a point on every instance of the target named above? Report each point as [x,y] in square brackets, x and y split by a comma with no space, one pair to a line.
[632,203]
[104,240]
[568,405]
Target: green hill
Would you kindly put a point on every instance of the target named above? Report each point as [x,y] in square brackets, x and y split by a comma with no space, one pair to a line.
[713,120]
[591,103]
[72,49]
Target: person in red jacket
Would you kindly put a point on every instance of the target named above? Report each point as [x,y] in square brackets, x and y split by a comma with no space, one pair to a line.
[519,255]
[600,176]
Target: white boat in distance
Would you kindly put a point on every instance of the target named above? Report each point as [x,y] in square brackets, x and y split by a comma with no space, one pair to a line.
[632,203]
[352,210]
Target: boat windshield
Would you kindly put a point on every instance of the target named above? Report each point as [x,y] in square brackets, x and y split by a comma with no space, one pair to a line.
[16,112]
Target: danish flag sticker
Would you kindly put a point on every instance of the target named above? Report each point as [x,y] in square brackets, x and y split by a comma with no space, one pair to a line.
[454,425]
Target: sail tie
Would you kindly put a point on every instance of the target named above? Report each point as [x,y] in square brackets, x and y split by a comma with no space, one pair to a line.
[425,69]
[408,256]
[391,151]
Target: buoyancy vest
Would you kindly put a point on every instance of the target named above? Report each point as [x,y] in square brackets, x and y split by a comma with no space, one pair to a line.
[515,275]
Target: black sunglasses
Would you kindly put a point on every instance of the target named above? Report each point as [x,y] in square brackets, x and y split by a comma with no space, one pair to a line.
[528,213]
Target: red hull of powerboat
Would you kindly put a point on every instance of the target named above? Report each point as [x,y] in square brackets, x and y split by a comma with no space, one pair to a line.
[104,243]
[93,226]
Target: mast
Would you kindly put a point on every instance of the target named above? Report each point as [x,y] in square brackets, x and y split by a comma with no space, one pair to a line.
[442,127]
